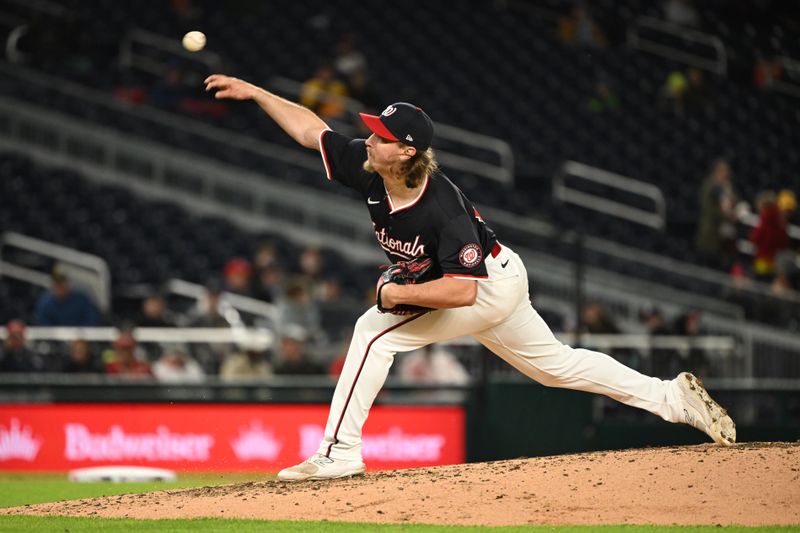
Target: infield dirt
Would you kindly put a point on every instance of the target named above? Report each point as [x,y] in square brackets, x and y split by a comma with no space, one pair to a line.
[748,484]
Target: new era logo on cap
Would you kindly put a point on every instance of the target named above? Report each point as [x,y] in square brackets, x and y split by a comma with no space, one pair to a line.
[402,121]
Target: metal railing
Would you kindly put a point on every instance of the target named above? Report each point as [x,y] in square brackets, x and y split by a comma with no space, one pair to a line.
[502,171]
[724,350]
[232,335]
[564,193]
[236,301]
[671,43]
[81,268]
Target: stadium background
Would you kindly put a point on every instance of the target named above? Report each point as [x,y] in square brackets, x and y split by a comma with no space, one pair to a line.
[587,137]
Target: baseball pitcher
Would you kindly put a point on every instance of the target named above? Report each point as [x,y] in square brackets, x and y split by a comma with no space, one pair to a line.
[449,277]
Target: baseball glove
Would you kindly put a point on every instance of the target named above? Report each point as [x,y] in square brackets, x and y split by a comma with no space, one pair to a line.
[403,273]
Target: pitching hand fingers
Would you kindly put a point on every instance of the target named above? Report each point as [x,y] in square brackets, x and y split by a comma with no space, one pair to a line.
[214,77]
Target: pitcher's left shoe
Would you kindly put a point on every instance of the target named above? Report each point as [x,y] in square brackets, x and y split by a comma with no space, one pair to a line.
[702,412]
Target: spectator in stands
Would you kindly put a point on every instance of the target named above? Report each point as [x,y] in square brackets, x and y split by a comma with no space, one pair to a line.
[787,203]
[663,362]
[125,362]
[175,366]
[682,13]
[654,322]
[81,359]
[580,29]
[698,94]
[432,365]
[129,90]
[351,64]
[269,284]
[64,306]
[325,94]
[782,285]
[294,359]
[266,255]
[673,93]
[766,71]
[249,361]
[155,313]
[297,307]
[349,59]
[312,268]
[603,100]
[15,355]
[688,325]
[238,274]
[208,313]
[596,319]
[715,240]
[170,91]
[770,236]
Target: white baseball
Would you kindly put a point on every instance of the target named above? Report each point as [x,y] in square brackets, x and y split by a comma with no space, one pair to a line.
[194,41]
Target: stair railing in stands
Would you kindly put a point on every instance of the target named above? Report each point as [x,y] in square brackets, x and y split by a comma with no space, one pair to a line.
[236,301]
[564,192]
[668,40]
[80,268]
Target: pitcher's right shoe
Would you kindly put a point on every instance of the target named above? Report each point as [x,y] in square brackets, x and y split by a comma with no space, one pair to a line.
[319,467]
[702,412]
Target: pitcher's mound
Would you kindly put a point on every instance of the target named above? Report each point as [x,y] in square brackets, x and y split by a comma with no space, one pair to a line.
[749,484]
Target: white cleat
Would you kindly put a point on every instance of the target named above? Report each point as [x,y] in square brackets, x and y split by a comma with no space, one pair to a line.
[702,412]
[318,467]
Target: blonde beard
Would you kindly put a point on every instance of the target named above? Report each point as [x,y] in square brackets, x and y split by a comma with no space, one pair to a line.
[392,171]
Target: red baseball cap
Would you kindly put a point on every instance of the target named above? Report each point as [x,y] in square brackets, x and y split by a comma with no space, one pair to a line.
[238,266]
[402,122]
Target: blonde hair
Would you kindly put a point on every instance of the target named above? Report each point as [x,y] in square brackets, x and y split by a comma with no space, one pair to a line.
[420,165]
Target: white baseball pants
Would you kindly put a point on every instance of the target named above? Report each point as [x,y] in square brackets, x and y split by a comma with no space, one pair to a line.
[503,320]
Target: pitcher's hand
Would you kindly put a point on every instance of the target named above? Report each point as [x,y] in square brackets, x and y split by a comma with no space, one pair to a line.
[229,87]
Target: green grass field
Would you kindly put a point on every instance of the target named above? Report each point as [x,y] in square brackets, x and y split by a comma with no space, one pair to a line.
[28,489]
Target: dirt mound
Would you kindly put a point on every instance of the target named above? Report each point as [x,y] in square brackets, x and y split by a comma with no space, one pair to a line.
[749,484]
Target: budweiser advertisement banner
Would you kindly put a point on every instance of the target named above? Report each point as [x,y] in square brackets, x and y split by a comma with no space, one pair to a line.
[214,437]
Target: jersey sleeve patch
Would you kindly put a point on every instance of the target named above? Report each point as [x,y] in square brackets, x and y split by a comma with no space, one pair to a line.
[470,255]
